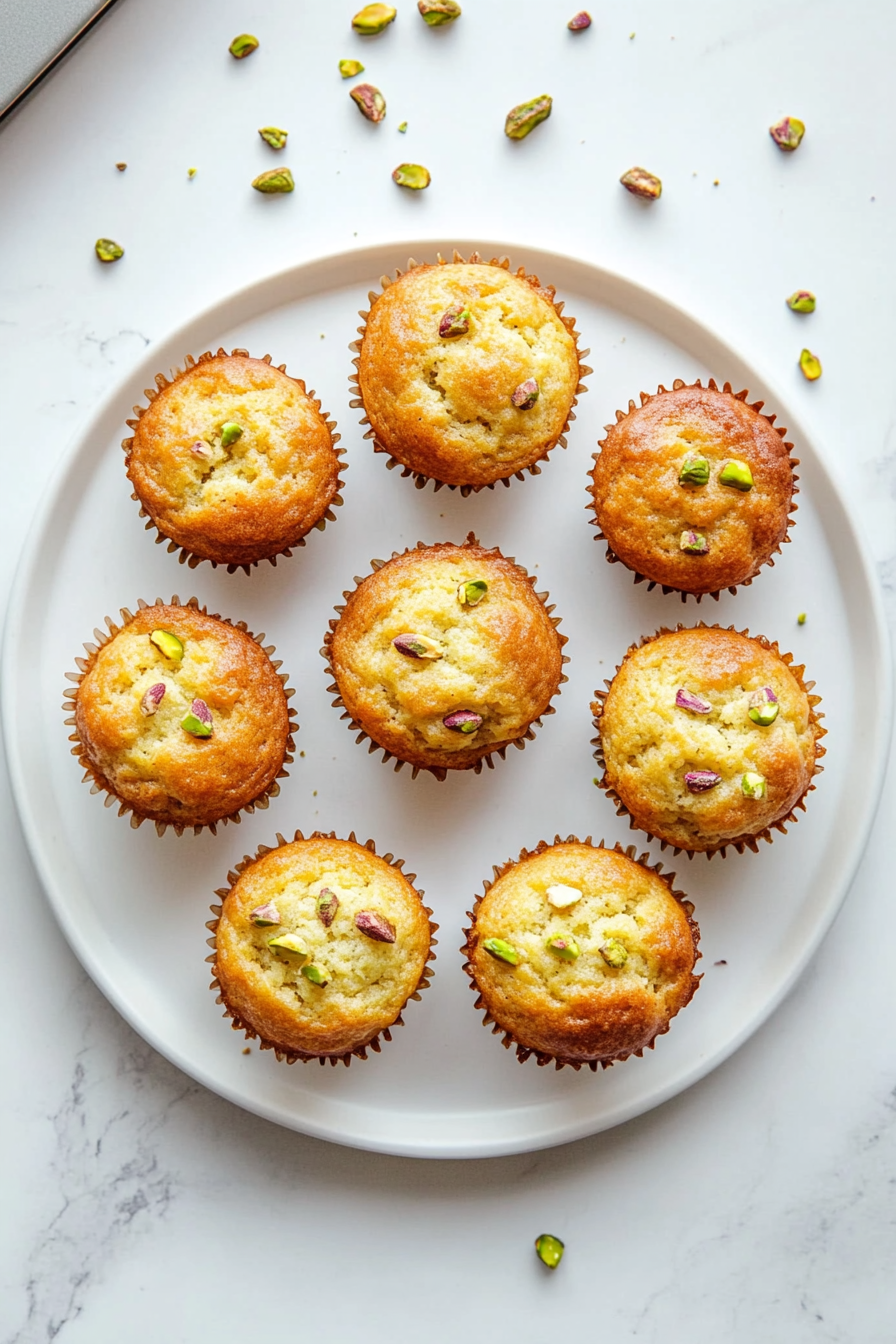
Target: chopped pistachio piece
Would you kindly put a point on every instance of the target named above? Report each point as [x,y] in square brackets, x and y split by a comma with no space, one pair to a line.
[737,475]
[502,951]
[549,1250]
[418,646]
[375,926]
[567,949]
[242,46]
[579,22]
[641,183]
[810,365]
[763,707]
[276,181]
[369,101]
[121,167]
[561,897]
[373,19]
[168,644]
[412,175]
[316,974]
[455,321]
[289,943]
[694,470]
[471,592]
[787,133]
[802,301]
[108,250]
[525,117]
[326,905]
[801,619]
[265,916]
[525,396]
[753,785]
[614,953]
[693,543]
[230,432]
[152,698]
[695,703]
[463,721]
[402,126]
[701,781]
[273,136]
[198,723]
[349,69]
[438,12]
[191,173]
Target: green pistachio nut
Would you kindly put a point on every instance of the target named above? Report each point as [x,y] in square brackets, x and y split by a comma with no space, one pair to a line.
[810,365]
[242,46]
[273,136]
[753,785]
[614,953]
[737,475]
[349,69]
[523,118]
[787,133]
[403,126]
[693,543]
[373,19]
[316,974]
[471,592]
[567,949]
[693,471]
[265,916]
[198,723]
[502,951]
[368,99]
[412,175]
[763,707]
[108,250]
[418,646]
[549,1250]
[802,301]
[801,619]
[276,181]
[289,944]
[438,12]
[230,432]
[168,644]
[641,183]
[455,321]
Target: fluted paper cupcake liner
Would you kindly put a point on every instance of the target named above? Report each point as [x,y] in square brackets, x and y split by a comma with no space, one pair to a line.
[284,1053]
[524,1052]
[184,554]
[498,749]
[98,782]
[757,406]
[547,292]
[741,842]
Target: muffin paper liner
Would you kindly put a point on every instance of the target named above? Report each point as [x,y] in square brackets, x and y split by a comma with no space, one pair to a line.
[757,406]
[547,292]
[283,1052]
[98,782]
[523,1052]
[441,772]
[741,842]
[188,557]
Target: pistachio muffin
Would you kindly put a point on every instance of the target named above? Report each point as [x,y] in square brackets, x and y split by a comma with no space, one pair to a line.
[467,373]
[580,954]
[233,460]
[181,717]
[693,489]
[708,738]
[444,655]
[318,946]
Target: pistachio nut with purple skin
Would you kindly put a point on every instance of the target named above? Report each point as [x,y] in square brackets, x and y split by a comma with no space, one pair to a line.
[687,700]
[201,449]
[455,321]
[701,781]
[326,906]
[787,133]
[763,708]
[579,22]
[375,926]
[152,698]
[641,183]
[525,396]
[463,721]
[412,175]
[801,301]
[436,13]
[417,646]
[567,949]
[693,543]
[198,723]
[369,101]
[265,916]
[525,117]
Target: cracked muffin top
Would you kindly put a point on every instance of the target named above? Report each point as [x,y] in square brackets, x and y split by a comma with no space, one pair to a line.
[467,372]
[233,460]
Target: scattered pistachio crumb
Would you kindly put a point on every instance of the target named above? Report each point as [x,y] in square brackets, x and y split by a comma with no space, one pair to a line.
[631,37]
[247,1049]
[301,753]
[323,336]
[191,173]
[121,167]
[801,619]
[715,182]
[403,127]
[595,780]
[723,962]
[314,793]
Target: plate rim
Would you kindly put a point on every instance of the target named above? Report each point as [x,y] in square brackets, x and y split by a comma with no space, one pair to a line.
[27,574]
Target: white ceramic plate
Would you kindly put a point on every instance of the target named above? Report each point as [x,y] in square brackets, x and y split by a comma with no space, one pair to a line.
[134,906]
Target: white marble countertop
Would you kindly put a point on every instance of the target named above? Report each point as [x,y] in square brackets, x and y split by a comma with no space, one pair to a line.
[758,1205]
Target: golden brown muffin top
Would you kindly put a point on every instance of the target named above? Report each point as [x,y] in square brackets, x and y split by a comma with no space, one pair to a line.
[140,751]
[241,501]
[443,406]
[368,981]
[499,659]
[651,741]
[635,941]
[643,509]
